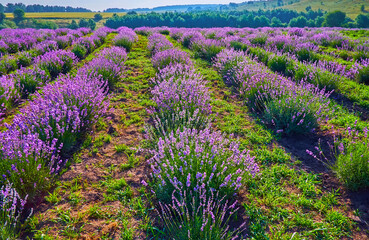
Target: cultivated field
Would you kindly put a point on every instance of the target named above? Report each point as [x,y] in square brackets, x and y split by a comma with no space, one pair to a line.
[174,133]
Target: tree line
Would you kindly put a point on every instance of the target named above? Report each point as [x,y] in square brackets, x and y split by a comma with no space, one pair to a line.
[253,19]
[11,7]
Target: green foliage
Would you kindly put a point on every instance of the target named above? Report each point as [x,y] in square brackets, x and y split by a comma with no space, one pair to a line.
[362,21]
[363,75]
[334,19]
[79,50]
[98,17]
[300,21]
[73,25]
[284,114]
[2,17]
[280,64]
[18,14]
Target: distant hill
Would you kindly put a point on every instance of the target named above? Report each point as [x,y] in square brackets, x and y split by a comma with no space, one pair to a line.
[173,8]
[351,7]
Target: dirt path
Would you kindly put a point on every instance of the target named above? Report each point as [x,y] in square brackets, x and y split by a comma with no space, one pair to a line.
[100,195]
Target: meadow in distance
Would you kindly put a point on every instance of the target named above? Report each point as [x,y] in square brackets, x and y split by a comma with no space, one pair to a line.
[184,133]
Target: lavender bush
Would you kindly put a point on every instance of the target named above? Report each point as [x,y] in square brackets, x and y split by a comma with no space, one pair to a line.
[11,210]
[204,217]
[117,55]
[26,161]
[56,62]
[105,68]
[65,110]
[9,93]
[158,43]
[169,56]
[30,79]
[352,158]
[228,63]
[126,38]
[288,107]
[189,160]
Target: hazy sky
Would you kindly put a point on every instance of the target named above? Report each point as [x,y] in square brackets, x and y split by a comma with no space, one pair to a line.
[103,4]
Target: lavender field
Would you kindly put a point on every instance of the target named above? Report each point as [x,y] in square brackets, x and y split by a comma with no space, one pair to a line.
[184,133]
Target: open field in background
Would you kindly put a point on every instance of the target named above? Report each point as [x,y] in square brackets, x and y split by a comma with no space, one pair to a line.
[63,19]
[63,15]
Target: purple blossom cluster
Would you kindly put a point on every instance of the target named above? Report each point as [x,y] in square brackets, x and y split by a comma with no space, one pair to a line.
[190,159]
[56,62]
[11,210]
[126,38]
[9,93]
[169,56]
[157,43]
[108,65]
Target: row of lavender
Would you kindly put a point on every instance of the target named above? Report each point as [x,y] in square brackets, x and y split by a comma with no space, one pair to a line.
[55,40]
[20,84]
[36,146]
[195,171]
[16,40]
[291,107]
[329,75]
[298,44]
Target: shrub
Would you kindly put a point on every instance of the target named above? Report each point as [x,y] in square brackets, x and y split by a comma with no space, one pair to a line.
[125,38]
[105,68]
[321,78]
[9,93]
[24,59]
[280,64]
[189,160]
[228,63]
[158,43]
[79,50]
[207,49]
[169,56]
[352,158]
[116,54]
[204,217]
[8,64]
[31,170]
[298,111]
[65,110]
[11,210]
[56,62]
[363,75]
[30,80]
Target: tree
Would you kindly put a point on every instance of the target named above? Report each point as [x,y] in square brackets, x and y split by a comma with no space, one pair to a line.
[300,22]
[18,15]
[308,8]
[362,21]
[334,19]
[362,8]
[73,25]
[98,17]
[275,22]
[83,23]
[92,24]
[2,8]
[2,17]
[319,21]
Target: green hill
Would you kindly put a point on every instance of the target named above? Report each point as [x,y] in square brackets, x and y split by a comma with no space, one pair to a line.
[351,7]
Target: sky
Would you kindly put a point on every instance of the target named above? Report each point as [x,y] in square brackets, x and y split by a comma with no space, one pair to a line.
[99,5]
